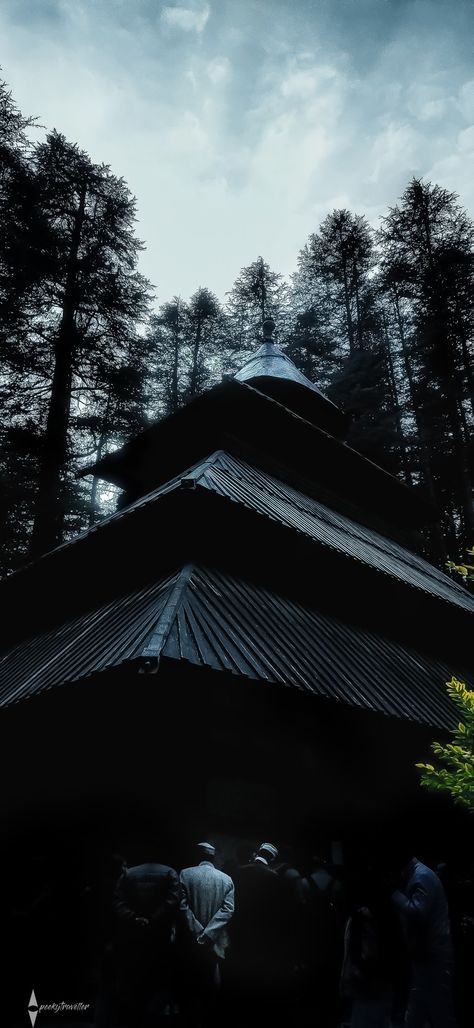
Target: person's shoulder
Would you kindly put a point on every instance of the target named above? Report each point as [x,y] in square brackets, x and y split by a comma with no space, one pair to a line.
[223,877]
[152,870]
[187,872]
[137,870]
[422,871]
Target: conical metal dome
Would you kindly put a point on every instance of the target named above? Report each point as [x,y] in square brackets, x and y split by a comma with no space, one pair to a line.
[273,373]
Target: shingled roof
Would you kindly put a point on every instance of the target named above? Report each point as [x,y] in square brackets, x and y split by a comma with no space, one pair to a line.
[271,497]
[204,617]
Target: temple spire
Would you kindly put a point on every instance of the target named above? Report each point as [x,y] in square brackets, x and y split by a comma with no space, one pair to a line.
[273,373]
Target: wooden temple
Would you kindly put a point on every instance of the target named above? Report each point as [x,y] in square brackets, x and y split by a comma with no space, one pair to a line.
[251,645]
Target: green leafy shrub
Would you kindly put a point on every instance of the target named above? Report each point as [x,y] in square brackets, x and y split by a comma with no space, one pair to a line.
[454,770]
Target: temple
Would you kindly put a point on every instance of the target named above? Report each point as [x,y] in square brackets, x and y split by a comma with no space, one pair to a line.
[251,645]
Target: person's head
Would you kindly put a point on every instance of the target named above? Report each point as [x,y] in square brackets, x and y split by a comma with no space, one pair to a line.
[267,853]
[205,851]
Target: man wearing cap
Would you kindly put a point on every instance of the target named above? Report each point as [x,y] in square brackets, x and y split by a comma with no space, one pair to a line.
[207,905]
[259,934]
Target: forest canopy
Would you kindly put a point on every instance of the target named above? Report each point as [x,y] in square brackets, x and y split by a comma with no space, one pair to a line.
[380,318]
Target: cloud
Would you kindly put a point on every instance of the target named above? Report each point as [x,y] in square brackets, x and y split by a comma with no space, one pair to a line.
[218,70]
[466,98]
[466,140]
[186,18]
[394,149]
[187,137]
[303,83]
[239,131]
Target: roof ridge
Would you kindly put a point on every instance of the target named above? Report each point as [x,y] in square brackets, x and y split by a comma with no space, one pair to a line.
[189,474]
[159,634]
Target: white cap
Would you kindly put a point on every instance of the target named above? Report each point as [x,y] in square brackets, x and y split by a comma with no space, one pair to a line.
[207,848]
[268,848]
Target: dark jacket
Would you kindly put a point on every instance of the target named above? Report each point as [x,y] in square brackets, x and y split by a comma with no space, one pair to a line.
[424,910]
[372,963]
[259,928]
[151,891]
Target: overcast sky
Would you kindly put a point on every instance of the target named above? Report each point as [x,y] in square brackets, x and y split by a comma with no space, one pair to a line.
[238,124]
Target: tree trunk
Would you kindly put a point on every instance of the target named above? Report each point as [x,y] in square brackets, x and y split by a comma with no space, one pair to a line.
[100,449]
[359,325]
[350,326]
[174,375]
[193,382]
[49,517]
[437,543]
[398,414]
[465,353]
[420,428]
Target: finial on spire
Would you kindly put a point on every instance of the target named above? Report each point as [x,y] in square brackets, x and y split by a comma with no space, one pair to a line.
[268,329]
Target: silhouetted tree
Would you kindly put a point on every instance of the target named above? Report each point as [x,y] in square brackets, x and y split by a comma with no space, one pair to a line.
[335,286]
[204,319]
[427,248]
[257,293]
[95,298]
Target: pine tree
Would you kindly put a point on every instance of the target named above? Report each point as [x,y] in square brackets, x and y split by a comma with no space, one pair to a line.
[91,299]
[427,247]
[336,287]
[205,321]
[257,293]
[169,365]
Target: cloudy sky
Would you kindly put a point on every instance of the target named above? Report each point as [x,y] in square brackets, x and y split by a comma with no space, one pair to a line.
[238,124]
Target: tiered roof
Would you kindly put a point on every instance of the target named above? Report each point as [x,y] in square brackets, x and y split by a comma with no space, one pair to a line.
[204,617]
[236,563]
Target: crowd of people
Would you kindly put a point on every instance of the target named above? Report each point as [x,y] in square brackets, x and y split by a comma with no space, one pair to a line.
[260,941]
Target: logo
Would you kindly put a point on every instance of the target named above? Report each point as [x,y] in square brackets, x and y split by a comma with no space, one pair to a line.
[35,1008]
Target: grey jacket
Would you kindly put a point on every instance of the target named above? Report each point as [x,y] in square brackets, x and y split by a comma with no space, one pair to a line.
[207,904]
[424,911]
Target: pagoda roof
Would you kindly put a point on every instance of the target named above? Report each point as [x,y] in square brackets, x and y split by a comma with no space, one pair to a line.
[269,532]
[272,372]
[240,412]
[241,482]
[205,617]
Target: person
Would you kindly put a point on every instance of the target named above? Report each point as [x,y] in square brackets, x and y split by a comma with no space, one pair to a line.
[422,905]
[460,893]
[373,958]
[293,909]
[259,932]
[206,908]
[146,905]
[98,899]
[325,917]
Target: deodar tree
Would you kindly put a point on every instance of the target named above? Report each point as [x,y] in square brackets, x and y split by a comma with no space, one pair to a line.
[257,293]
[336,306]
[426,247]
[92,299]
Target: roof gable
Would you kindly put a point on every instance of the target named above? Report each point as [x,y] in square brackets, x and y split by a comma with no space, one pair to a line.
[201,616]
